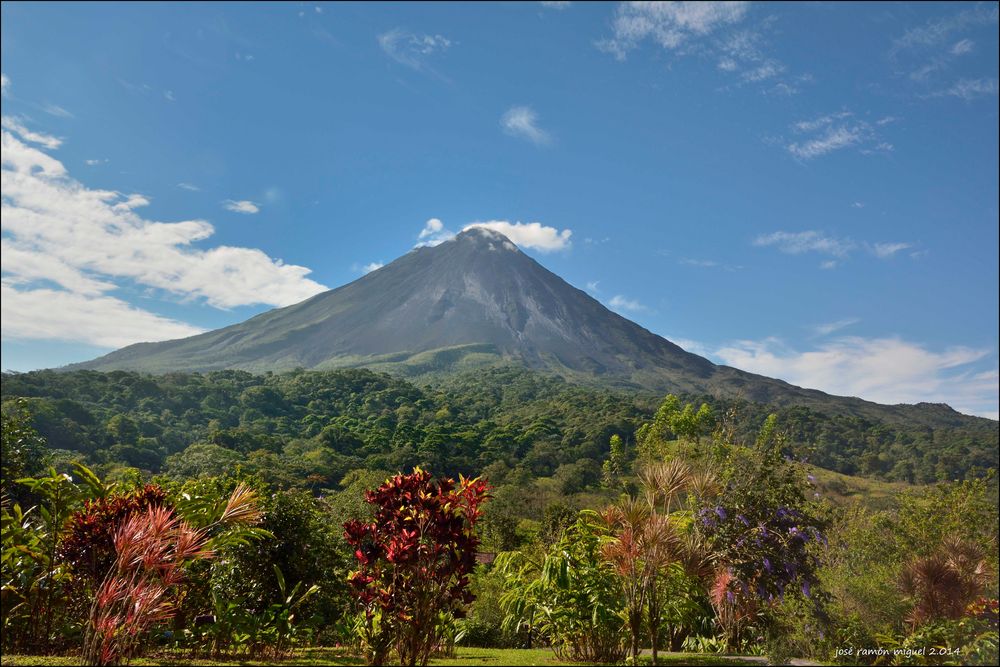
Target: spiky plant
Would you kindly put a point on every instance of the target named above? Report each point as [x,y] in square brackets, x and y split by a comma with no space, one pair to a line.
[152,548]
[943,584]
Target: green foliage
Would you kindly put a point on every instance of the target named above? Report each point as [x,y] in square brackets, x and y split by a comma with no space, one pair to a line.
[568,596]
[23,449]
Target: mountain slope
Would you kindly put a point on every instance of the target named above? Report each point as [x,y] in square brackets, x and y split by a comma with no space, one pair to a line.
[472,301]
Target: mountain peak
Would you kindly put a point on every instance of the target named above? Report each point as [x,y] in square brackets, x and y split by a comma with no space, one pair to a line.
[486,237]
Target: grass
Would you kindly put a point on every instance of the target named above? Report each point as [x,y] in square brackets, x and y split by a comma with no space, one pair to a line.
[330,656]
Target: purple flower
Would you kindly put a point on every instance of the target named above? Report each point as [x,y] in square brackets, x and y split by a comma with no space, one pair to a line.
[767,564]
[721,512]
[811,478]
[742,519]
[730,597]
[805,588]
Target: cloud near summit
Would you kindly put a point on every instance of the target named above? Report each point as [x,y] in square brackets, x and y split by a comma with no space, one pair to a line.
[532,235]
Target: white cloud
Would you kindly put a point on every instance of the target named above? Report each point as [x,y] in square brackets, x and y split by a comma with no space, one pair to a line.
[15,125]
[89,242]
[886,250]
[885,370]
[4,84]
[522,121]
[668,24]
[620,302]
[431,228]
[828,264]
[434,233]
[830,327]
[532,235]
[95,162]
[962,47]
[796,243]
[189,187]
[169,95]
[858,204]
[592,286]
[555,4]
[241,206]
[46,314]
[410,49]
[372,266]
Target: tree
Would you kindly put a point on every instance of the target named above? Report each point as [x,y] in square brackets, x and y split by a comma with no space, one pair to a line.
[614,467]
[23,449]
[762,530]
[414,561]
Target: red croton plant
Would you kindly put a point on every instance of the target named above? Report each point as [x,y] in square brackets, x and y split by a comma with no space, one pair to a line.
[414,561]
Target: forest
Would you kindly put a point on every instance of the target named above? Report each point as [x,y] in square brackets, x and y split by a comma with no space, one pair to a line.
[236,517]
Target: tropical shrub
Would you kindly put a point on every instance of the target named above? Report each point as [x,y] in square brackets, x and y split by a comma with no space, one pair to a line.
[568,596]
[414,561]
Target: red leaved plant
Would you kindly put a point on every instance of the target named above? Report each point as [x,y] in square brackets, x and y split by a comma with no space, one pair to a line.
[414,561]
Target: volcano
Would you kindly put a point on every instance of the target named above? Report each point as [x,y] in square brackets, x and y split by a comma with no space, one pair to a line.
[475,300]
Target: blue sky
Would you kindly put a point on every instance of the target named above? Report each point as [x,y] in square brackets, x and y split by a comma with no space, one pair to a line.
[805,191]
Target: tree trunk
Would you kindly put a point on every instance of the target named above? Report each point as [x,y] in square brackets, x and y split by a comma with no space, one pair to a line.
[635,625]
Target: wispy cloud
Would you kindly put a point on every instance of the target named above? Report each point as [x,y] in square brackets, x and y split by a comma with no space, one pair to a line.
[555,4]
[839,248]
[56,110]
[940,30]
[16,126]
[592,286]
[829,327]
[532,235]
[241,206]
[411,49]
[834,132]
[929,51]
[372,266]
[718,31]
[670,25]
[169,96]
[797,243]
[95,161]
[708,264]
[886,250]
[962,47]
[522,122]
[970,89]
[4,84]
[189,187]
